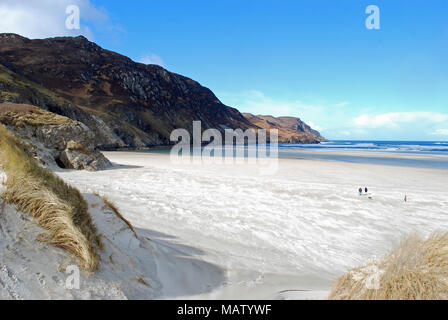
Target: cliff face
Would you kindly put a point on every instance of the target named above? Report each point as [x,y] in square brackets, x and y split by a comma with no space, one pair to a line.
[290,129]
[126,104]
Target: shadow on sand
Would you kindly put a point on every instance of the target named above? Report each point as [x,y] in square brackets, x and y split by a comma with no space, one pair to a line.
[179,268]
[117,166]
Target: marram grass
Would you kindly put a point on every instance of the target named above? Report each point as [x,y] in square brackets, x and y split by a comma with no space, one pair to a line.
[416,270]
[58,208]
[111,206]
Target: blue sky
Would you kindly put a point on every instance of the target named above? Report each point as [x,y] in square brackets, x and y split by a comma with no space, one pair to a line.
[312,59]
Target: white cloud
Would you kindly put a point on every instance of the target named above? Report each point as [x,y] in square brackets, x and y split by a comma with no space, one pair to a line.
[397,119]
[46,18]
[441,132]
[344,122]
[151,58]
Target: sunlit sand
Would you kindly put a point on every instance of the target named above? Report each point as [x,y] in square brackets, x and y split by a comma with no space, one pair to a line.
[287,235]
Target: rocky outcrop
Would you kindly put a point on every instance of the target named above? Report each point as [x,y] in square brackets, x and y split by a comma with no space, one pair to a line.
[290,129]
[54,139]
[82,160]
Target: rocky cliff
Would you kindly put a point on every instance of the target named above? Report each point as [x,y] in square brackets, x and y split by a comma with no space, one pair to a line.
[126,104]
[290,129]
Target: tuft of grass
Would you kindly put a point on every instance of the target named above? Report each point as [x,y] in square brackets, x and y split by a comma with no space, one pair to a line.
[111,206]
[416,270]
[57,207]
[142,281]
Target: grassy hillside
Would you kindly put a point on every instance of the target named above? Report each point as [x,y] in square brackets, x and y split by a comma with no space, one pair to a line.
[58,208]
[14,88]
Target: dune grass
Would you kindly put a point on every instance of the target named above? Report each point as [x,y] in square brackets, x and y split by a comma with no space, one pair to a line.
[111,206]
[416,270]
[58,208]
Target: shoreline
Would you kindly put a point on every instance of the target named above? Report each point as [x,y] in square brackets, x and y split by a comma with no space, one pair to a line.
[204,144]
[408,160]
[280,158]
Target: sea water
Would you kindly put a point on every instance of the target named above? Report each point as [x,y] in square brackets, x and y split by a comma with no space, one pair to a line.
[418,154]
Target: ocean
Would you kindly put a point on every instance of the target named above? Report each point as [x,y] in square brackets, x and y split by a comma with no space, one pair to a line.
[407,147]
[418,154]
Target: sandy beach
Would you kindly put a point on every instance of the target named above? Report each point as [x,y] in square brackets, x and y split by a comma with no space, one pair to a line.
[287,235]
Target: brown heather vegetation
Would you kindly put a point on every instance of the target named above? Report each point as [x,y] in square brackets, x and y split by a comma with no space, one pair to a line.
[58,208]
[415,270]
[20,115]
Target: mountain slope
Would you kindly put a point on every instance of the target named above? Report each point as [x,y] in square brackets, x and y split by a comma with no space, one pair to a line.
[139,104]
[290,129]
[17,89]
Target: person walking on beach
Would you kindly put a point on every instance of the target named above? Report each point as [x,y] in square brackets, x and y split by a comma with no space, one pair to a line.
[405,199]
[366,190]
[360,191]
